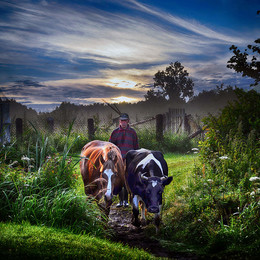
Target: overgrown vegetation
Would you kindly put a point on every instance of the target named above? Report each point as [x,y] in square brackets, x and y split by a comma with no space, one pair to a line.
[212,207]
[219,205]
[39,188]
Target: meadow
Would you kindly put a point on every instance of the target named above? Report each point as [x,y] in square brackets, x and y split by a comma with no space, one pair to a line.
[51,226]
[210,210]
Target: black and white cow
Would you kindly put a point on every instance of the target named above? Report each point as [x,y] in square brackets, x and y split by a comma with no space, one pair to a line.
[146,177]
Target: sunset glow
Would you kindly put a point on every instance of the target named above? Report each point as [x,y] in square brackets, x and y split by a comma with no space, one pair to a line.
[123,99]
[122,83]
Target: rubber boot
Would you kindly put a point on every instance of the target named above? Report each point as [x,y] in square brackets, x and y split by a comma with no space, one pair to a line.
[121,198]
[125,198]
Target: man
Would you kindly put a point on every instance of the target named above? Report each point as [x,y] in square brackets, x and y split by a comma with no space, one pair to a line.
[126,139]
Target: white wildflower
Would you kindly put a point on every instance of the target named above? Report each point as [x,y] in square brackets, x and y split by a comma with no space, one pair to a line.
[209,180]
[195,149]
[252,194]
[224,157]
[25,158]
[254,178]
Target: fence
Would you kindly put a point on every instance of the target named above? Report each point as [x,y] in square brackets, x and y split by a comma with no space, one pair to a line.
[5,123]
[173,121]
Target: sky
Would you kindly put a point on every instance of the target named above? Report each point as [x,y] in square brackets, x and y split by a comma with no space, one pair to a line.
[83,51]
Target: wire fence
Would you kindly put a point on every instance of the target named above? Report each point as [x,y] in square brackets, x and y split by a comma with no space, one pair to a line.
[174,121]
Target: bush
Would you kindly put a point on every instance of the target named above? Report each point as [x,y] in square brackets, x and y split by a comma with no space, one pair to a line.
[220,205]
[40,189]
[56,173]
[171,143]
[26,197]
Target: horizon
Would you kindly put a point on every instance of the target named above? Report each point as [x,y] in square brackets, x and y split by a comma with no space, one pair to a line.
[168,102]
[85,51]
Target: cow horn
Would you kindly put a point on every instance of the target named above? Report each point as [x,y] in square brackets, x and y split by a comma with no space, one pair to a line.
[164,177]
[144,177]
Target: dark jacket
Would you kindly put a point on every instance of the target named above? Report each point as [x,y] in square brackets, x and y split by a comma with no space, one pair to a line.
[125,139]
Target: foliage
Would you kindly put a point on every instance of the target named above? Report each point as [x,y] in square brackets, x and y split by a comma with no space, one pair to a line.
[219,204]
[55,171]
[242,114]
[241,64]
[172,84]
[177,143]
[40,189]
[31,197]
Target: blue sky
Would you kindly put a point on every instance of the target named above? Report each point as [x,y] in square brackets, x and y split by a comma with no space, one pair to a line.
[85,51]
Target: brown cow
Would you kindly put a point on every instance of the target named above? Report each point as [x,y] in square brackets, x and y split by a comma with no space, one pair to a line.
[102,171]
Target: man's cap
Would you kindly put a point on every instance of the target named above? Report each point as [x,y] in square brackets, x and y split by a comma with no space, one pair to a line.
[124,116]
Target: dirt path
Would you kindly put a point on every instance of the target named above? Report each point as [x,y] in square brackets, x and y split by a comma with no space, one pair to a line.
[125,232]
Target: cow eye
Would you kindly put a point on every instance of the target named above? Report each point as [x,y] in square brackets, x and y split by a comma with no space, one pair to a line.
[160,192]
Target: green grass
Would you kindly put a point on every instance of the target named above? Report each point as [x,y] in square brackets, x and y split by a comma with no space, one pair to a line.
[23,241]
[180,167]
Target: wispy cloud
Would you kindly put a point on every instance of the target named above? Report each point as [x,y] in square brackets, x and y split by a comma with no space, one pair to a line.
[104,36]
[190,25]
[59,51]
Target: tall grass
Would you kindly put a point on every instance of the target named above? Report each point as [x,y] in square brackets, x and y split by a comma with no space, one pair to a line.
[171,143]
[46,195]
[217,208]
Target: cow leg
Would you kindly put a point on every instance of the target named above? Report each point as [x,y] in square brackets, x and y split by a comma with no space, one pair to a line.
[157,219]
[135,219]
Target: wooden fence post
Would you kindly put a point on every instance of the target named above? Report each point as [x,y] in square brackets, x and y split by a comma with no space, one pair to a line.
[19,128]
[159,127]
[91,130]
[5,123]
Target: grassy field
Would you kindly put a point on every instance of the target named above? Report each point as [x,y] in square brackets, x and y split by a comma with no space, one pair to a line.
[24,240]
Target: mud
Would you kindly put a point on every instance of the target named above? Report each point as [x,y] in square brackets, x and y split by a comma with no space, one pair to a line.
[128,234]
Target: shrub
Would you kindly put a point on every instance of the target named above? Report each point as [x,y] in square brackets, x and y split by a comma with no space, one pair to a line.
[56,173]
[220,205]
[177,143]
[26,197]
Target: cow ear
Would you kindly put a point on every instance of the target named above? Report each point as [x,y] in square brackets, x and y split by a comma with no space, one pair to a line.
[167,181]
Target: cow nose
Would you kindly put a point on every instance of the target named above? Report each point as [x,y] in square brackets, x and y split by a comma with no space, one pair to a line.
[153,209]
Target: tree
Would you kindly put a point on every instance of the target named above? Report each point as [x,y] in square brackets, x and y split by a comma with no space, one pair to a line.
[241,63]
[172,84]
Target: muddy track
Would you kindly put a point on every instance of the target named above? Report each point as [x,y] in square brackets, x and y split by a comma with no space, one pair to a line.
[126,233]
